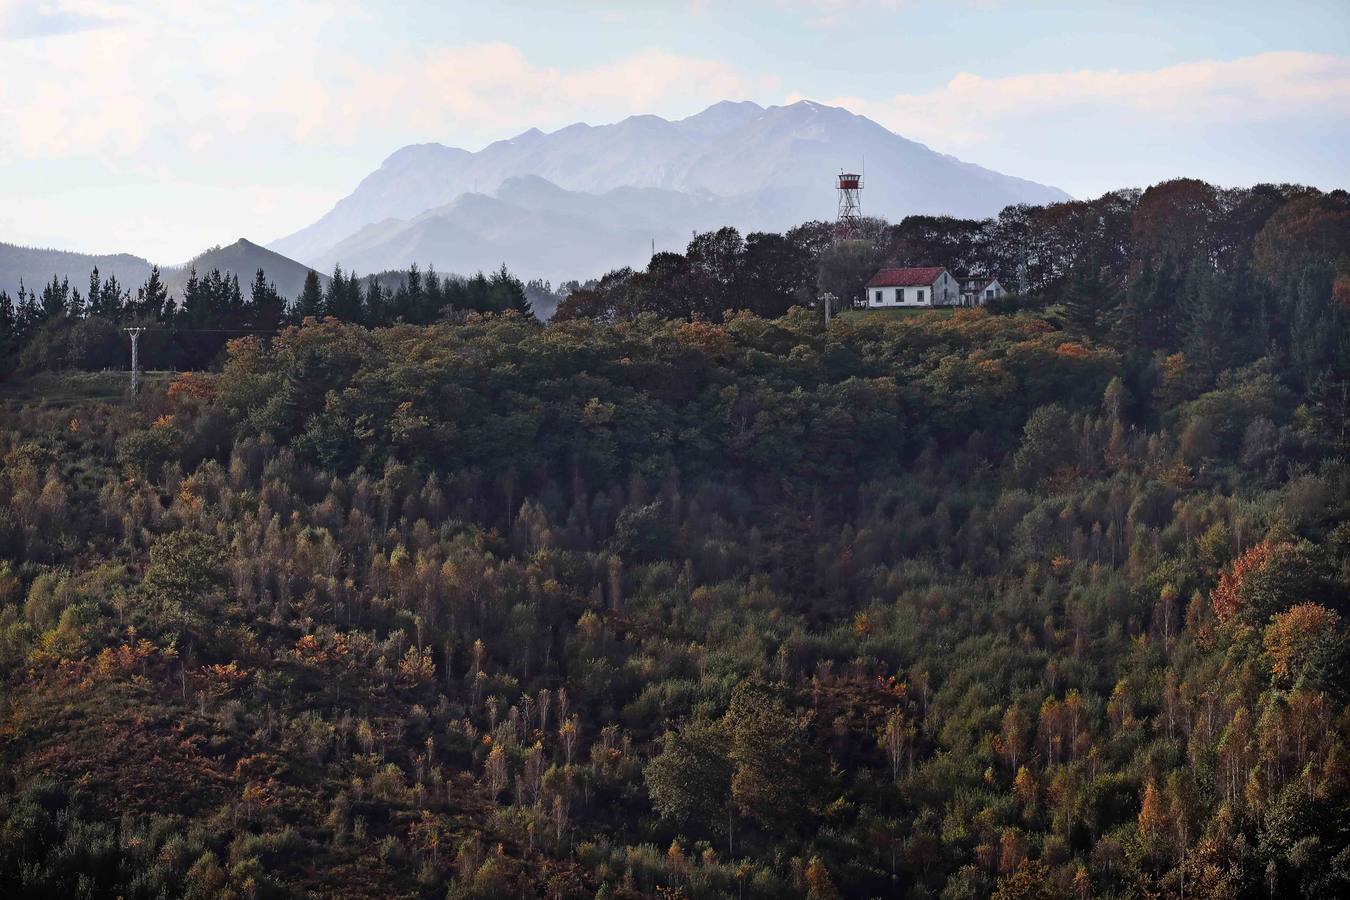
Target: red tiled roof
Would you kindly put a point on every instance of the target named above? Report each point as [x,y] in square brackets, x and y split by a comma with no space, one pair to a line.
[912,277]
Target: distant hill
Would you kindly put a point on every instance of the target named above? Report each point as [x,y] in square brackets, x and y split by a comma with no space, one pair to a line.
[243,258]
[628,183]
[36,266]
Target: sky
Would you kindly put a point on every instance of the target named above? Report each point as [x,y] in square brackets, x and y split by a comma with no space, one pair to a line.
[162,127]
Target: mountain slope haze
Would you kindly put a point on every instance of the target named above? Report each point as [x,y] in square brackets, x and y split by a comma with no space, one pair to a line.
[734,163]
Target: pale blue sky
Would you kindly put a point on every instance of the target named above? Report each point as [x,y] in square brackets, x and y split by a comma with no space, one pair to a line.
[162,127]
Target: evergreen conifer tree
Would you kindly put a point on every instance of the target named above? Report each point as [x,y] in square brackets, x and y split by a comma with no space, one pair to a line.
[508,293]
[310,302]
[55,299]
[151,299]
[266,307]
[376,311]
[9,334]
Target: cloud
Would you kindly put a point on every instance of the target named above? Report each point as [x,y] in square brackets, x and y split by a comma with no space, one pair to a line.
[971,109]
[28,19]
[494,87]
[159,83]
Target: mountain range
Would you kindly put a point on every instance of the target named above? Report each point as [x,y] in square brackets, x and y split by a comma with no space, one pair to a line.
[576,202]
[580,200]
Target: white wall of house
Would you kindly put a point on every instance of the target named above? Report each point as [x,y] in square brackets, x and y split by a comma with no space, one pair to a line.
[881,297]
[944,291]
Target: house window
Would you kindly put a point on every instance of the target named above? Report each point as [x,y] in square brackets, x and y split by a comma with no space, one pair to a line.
[899,295]
[989,294]
[918,296]
[878,300]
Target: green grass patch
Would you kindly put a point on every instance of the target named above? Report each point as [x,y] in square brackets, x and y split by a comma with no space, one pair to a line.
[58,389]
[898,312]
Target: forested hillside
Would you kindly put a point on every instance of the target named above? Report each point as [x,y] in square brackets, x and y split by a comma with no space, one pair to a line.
[686,595]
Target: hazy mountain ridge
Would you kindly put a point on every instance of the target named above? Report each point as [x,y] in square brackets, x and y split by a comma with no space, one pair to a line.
[735,163]
[536,228]
[35,267]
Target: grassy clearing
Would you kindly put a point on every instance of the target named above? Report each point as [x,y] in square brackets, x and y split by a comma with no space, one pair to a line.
[896,312]
[58,389]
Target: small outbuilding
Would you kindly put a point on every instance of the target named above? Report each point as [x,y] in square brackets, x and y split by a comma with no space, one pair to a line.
[979,291]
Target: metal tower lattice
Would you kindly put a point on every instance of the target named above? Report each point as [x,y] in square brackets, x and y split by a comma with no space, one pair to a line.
[848,224]
[135,359]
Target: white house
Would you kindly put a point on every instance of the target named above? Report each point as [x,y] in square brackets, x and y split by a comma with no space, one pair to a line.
[979,291]
[912,287]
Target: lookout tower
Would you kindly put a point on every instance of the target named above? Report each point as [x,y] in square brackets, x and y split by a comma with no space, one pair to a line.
[848,224]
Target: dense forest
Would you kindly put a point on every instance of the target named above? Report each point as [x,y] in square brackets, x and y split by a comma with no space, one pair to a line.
[59,327]
[686,594]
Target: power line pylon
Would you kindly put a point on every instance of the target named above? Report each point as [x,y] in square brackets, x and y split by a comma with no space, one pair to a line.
[135,360]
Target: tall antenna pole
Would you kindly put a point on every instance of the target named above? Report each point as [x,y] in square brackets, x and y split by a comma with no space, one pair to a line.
[135,360]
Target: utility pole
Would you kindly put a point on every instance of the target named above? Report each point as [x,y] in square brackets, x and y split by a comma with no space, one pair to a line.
[135,360]
[827,298]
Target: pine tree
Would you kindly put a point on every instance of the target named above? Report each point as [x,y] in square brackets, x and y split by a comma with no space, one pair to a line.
[266,307]
[190,312]
[233,314]
[414,301]
[508,293]
[406,305]
[151,299]
[105,297]
[343,298]
[9,333]
[376,307]
[310,302]
[116,301]
[212,309]
[55,300]
[28,314]
[354,300]
[434,296]
[96,295]
[478,293]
